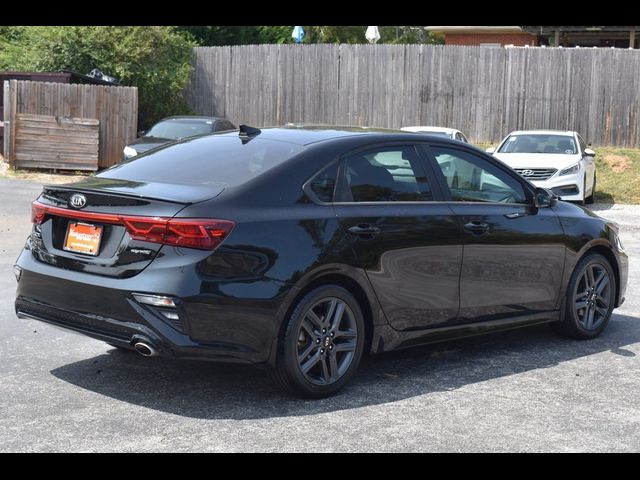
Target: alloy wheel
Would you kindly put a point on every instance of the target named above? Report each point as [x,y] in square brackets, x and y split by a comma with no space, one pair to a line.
[327,341]
[593,296]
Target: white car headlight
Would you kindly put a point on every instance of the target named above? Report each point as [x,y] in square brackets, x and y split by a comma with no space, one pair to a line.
[571,170]
[129,152]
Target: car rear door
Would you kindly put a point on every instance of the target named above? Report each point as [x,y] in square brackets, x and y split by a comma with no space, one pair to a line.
[513,252]
[407,241]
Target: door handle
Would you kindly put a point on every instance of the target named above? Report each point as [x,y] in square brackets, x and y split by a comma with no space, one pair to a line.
[365,230]
[516,215]
[476,227]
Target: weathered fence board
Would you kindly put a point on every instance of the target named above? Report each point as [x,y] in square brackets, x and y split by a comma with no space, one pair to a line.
[115,108]
[65,143]
[485,92]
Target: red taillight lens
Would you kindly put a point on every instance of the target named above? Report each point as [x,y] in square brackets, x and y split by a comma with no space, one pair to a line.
[202,233]
[146,229]
[38,211]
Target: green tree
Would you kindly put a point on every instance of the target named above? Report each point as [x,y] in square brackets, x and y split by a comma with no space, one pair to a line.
[356,34]
[157,60]
[237,35]
[243,35]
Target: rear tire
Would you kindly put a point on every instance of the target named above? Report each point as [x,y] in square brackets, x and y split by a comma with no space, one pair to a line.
[590,299]
[591,198]
[321,344]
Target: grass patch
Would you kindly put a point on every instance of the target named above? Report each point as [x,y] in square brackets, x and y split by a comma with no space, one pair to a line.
[618,175]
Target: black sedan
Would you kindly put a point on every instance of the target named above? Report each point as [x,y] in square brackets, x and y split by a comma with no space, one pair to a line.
[303,248]
[170,129]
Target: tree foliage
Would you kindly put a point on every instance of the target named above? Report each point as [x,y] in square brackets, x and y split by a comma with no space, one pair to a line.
[243,35]
[157,60]
[238,35]
[154,59]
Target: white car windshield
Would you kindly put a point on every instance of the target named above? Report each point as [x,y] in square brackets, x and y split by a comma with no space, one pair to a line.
[560,144]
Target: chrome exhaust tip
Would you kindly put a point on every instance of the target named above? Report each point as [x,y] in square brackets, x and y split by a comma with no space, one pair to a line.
[145,349]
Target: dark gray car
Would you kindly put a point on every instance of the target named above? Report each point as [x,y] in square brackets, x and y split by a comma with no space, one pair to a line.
[174,128]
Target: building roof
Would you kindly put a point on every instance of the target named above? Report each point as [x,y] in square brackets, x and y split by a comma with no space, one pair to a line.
[475,29]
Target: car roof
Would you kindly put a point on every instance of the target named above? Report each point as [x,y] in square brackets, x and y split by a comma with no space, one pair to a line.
[566,133]
[188,118]
[430,129]
[310,134]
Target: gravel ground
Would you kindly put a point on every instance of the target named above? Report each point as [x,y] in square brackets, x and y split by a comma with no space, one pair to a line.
[525,390]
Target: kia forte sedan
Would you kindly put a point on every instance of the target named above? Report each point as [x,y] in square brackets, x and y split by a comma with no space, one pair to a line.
[305,248]
[552,159]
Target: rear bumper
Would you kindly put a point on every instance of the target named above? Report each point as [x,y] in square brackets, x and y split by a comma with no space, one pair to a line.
[168,344]
[212,327]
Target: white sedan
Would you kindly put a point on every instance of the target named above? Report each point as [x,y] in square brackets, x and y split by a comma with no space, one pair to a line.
[557,160]
[442,131]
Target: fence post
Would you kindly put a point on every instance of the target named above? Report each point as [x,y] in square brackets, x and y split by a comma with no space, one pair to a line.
[13,102]
[5,96]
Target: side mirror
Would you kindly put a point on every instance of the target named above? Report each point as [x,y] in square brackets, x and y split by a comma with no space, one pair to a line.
[141,132]
[589,153]
[490,150]
[544,198]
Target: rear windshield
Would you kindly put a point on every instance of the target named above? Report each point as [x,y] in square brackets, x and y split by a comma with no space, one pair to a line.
[220,160]
[560,144]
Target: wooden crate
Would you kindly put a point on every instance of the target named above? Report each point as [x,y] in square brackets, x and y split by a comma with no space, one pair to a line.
[64,143]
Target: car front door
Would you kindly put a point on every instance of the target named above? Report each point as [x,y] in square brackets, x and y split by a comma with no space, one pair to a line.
[408,243]
[513,252]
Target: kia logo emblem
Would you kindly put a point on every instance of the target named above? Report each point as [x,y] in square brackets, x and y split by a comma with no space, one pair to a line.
[78,200]
[527,173]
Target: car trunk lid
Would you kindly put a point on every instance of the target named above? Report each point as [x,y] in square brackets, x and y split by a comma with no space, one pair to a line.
[102,219]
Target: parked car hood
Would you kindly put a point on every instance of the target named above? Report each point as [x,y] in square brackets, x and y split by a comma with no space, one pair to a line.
[537,160]
[143,144]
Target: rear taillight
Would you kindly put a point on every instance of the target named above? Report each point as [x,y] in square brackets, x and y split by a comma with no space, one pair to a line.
[201,233]
[205,234]
[38,211]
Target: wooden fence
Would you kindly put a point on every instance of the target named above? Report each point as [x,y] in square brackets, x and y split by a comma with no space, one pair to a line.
[485,92]
[115,108]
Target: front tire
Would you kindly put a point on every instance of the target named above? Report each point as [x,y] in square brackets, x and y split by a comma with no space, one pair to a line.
[322,343]
[590,299]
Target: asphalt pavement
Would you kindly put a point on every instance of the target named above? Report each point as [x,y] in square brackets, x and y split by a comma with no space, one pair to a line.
[524,390]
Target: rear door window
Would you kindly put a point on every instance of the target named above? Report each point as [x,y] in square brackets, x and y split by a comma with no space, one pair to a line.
[385,174]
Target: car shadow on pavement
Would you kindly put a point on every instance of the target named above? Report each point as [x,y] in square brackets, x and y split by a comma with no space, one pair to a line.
[216,391]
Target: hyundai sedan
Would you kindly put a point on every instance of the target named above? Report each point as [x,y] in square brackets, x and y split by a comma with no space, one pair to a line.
[553,159]
[305,248]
